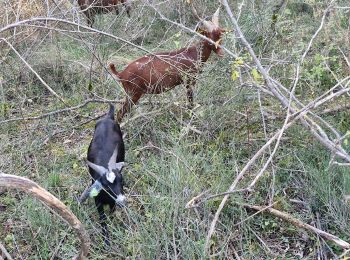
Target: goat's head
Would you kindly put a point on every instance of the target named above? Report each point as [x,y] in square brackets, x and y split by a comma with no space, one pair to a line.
[110,180]
[212,30]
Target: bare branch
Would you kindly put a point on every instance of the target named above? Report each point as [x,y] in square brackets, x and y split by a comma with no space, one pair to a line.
[35,73]
[296,222]
[312,126]
[335,109]
[4,252]
[68,109]
[28,186]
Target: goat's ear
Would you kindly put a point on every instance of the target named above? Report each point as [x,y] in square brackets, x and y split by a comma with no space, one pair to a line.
[199,29]
[217,43]
[215,18]
[91,191]
[95,189]
[119,166]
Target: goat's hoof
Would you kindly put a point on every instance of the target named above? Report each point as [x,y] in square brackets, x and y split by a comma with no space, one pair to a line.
[193,106]
[190,106]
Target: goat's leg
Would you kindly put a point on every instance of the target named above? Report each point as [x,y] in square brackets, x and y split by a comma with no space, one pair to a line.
[90,17]
[103,223]
[116,10]
[126,6]
[189,93]
[129,102]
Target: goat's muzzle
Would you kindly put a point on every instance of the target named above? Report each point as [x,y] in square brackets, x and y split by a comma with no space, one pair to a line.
[121,201]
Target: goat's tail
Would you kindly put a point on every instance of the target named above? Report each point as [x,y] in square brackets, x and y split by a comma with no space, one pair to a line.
[110,113]
[112,67]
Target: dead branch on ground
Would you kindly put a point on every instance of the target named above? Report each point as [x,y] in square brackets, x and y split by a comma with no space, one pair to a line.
[54,204]
[296,222]
[4,252]
[293,105]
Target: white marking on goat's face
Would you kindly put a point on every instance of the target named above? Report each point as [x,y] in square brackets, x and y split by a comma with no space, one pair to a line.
[110,176]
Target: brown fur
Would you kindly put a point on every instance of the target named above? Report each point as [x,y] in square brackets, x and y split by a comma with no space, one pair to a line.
[154,74]
[92,7]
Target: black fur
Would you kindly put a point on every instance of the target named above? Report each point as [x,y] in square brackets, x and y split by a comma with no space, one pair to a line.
[106,138]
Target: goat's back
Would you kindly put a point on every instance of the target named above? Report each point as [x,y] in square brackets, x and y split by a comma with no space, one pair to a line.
[155,74]
[106,138]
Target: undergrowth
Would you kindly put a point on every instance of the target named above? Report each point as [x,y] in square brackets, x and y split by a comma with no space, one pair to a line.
[174,153]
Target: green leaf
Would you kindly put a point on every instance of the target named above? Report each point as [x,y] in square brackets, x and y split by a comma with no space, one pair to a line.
[318,58]
[8,239]
[238,61]
[94,192]
[234,75]
[346,142]
[287,11]
[256,76]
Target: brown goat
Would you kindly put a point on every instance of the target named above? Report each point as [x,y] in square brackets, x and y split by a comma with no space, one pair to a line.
[154,74]
[92,7]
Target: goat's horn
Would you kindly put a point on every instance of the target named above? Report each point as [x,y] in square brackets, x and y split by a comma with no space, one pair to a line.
[118,166]
[99,169]
[215,18]
[194,11]
[208,25]
[112,160]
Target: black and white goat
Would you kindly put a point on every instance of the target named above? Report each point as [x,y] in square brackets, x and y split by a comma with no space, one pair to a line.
[105,159]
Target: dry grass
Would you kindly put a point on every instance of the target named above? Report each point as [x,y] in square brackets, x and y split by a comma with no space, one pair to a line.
[15,11]
[159,182]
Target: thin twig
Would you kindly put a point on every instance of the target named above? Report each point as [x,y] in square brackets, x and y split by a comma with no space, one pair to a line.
[58,247]
[335,109]
[195,201]
[4,251]
[341,164]
[68,109]
[307,122]
[256,213]
[346,252]
[35,73]
[296,222]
